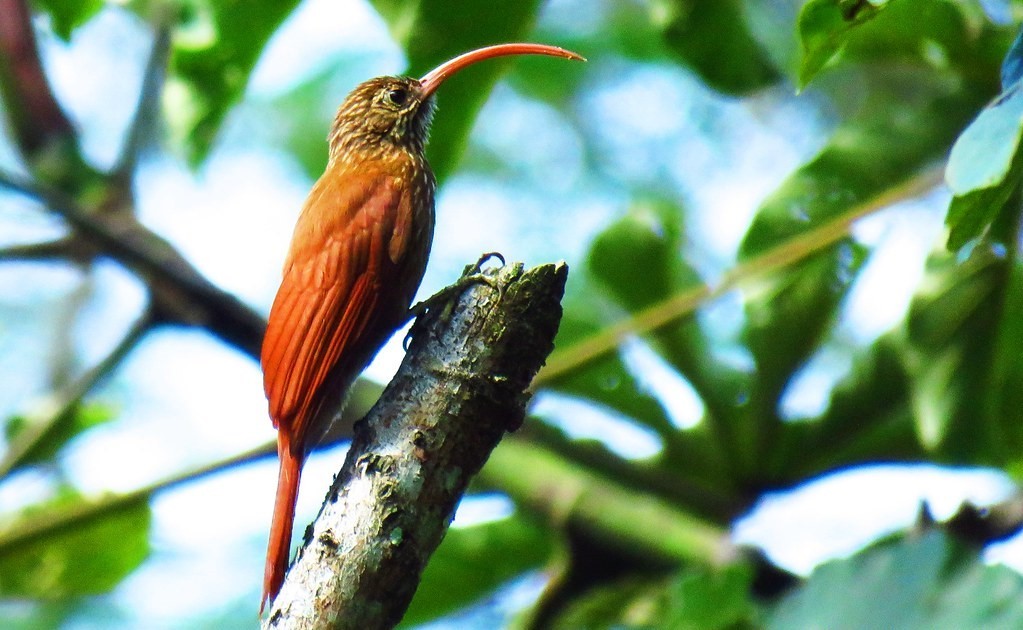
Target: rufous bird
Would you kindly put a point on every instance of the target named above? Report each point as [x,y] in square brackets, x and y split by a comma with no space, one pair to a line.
[357,257]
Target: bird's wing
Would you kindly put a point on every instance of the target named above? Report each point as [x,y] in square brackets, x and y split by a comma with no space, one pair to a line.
[328,297]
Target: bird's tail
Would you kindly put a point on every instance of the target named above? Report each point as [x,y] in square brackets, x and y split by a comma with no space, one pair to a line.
[279,549]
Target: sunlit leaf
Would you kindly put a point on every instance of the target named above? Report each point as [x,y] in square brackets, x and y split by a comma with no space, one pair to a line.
[825,26]
[983,154]
[471,562]
[927,582]
[86,558]
[216,45]
[983,168]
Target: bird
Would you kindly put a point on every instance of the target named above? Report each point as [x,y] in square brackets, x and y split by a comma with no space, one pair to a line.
[357,256]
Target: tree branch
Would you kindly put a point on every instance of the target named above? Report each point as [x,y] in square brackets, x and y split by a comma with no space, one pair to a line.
[460,388]
[36,117]
[180,293]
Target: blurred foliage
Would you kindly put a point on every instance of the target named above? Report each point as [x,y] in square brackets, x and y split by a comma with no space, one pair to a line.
[86,557]
[75,421]
[67,15]
[696,598]
[215,47]
[478,559]
[908,90]
[686,21]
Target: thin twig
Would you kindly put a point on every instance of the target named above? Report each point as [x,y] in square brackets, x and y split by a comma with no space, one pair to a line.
[60,404]
[60,249]
[147,112]
[46,522]
[670,310]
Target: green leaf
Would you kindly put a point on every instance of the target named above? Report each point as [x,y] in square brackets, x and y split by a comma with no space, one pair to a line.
[433,31]
[695,599]
[216,45]
[86,558]
[471,562]
[929,582]
[604,381]
[950,348]
[68,15]
[639,259]
[81,418]
[1003,389]
[985,168]
[790,313]
[824,28]
[868,420]
[970,215]
[983,154]
[730,60]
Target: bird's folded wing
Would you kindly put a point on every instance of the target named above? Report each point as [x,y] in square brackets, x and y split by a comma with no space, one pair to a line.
[328,298]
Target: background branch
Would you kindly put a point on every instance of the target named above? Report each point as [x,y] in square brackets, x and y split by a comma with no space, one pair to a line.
[460,388]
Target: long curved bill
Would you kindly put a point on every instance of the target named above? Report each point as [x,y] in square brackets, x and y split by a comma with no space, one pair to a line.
[432,79]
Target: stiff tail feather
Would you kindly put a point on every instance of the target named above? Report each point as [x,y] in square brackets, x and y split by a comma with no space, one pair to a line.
[279,549]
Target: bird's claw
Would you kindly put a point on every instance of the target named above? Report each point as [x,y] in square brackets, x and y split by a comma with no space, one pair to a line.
[477,268]
[472,274]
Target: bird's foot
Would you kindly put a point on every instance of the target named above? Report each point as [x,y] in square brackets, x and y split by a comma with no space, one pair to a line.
[448,296]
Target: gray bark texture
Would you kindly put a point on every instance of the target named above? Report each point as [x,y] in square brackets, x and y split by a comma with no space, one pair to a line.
[462,385]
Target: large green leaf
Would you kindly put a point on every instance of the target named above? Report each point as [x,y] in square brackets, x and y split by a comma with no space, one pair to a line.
[902,116]
[731,61]
[432,31]
[639,260]
[86,558]
[907,120]
[868,419]
[952,331]
[216,45]
[930,581]
[471,562]
[789,314]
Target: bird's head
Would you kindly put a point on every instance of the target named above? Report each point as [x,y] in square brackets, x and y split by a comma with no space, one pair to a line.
[389,113]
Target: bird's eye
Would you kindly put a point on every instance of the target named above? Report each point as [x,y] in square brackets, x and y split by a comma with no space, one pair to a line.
[397,96]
